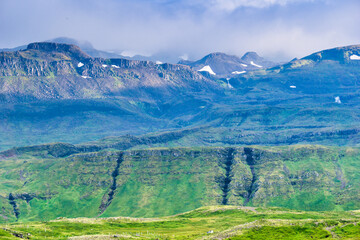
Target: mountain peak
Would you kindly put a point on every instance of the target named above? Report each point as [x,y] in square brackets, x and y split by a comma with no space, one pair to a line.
[251,56]
[58,47]
[217,54]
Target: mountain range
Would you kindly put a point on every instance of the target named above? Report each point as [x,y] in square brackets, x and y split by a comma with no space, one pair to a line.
[85,136]
[50,90]
[223,65]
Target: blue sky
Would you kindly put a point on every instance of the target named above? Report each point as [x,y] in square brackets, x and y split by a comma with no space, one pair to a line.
[277,29]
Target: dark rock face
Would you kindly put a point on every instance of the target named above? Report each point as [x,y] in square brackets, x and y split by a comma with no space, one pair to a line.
[12,202]
[107,199]
[229,160]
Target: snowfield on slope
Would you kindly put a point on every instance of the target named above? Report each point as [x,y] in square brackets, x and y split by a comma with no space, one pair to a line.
[256,65]
[208,69]
[238,72]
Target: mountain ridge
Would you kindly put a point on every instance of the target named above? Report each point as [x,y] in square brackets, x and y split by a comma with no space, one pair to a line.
[227,65]
[53,94]
[70,64]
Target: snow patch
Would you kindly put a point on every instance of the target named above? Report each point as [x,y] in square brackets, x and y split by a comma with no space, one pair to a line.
[115,66]
[337,100]
[254,64]
[85,77]
[208,69]
[158,62]
[244,65]
[228,83]
[80,64]
[104,65]
[355,57]
[238,72]
[292,86]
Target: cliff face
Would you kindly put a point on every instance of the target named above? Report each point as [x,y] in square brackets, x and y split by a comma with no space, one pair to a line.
[161,182]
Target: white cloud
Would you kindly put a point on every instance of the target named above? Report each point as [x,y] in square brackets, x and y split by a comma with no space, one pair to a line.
[230,5]
[131,53]
[276,29]
[184,57]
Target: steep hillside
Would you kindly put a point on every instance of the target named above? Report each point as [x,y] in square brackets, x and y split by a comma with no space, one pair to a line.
[53,181]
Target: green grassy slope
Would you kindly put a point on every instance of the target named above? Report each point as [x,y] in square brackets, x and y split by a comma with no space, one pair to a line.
[215,222]
[166,181]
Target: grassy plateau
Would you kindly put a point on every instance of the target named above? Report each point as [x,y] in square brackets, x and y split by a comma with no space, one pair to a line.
[213,222]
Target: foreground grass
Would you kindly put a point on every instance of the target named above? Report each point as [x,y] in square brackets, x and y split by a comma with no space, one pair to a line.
[222,222]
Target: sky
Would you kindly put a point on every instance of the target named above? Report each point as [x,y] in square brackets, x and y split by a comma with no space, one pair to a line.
[276,29]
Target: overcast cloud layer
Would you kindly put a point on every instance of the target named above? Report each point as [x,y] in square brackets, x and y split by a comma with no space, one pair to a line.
[277,29]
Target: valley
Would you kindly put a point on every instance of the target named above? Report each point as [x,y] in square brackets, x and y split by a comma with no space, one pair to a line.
[179,119]
[105,147]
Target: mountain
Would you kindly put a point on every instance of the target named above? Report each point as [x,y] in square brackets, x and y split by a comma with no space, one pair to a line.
[51,90]
[349,55]
[222,64]
[63,71]
[330,72]
[138,138]
[62,180]
[55,89]
[254,60]
[84,45]
[88,48]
